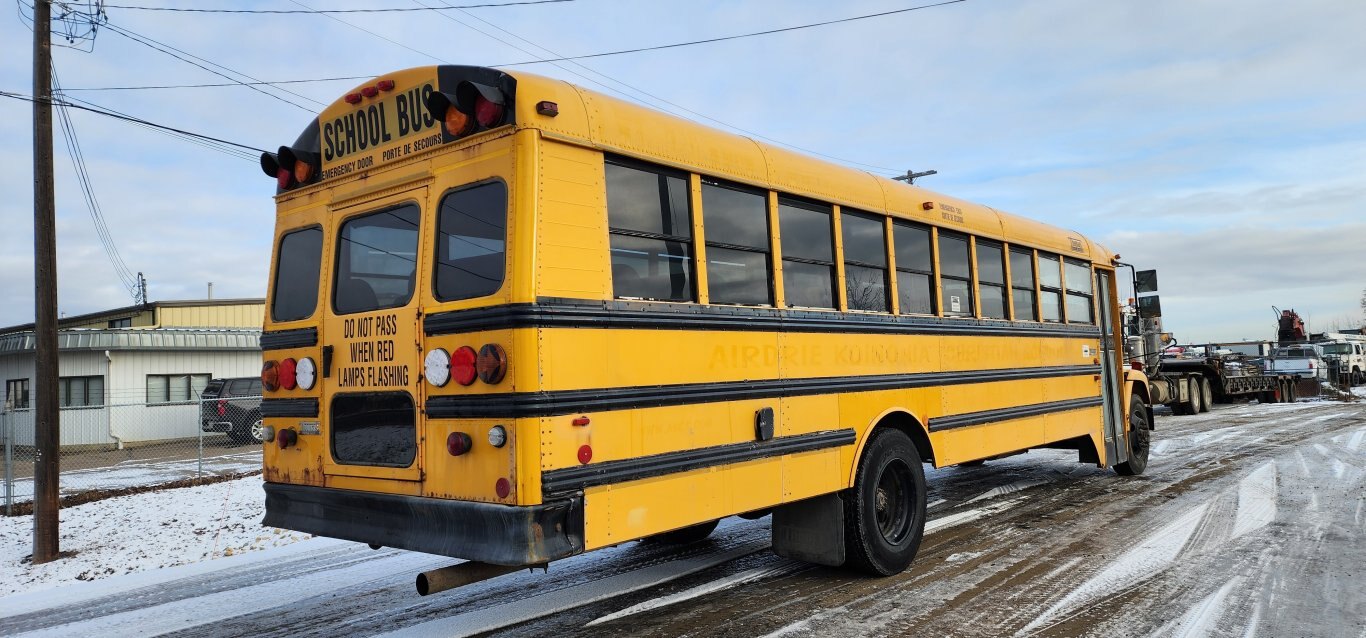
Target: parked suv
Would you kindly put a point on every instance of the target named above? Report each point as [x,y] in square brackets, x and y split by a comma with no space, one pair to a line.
[232,406]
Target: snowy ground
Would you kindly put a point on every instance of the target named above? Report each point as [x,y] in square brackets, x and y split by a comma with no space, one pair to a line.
[144,472]
[1249,521]
[141,532]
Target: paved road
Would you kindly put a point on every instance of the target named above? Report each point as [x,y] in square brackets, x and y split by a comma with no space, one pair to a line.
[1250,521]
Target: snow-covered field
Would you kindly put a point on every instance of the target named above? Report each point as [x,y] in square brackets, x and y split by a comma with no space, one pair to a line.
[144,472]
[141,532]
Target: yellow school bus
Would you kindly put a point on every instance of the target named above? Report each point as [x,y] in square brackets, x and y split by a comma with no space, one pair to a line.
[512,320]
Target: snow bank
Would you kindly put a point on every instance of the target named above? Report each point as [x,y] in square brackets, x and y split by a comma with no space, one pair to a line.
[142,532]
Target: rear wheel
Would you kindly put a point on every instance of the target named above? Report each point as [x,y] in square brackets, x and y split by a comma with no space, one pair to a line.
[1197,403]
[1139,437]
[884,513]
[1206,394]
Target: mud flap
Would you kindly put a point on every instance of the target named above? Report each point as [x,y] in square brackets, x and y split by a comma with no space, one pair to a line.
[811,530]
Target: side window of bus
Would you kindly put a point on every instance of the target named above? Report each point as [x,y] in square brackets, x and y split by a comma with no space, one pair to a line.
[376,261]
[651,234]
[808,254]
[1050,287]
[865,262]
[1079,307]
[296,275]
[737,245]
[1022,284]
[914,269]
[991,279]
[470,242]
[955,275]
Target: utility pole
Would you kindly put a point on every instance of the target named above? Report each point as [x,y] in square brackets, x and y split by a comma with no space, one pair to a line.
[47,437]
[910,176]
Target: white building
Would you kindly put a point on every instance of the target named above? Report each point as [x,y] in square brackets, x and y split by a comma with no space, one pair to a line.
[132,375]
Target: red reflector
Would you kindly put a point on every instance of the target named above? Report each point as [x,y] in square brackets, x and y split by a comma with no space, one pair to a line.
[370,91]
[284,177]
[458,443]
[547,108]
[492,363]
[270,376]
[503,487]
[286,437]
[487,113]
[927,206]
[462,365]
[353,98]
[385,85]
[581,421]
[585,454]
[287,374]
[1136,365]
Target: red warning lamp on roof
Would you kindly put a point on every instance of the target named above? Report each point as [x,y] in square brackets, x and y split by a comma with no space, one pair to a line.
[472,107]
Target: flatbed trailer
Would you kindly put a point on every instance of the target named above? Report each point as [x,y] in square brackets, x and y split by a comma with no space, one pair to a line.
[1191,385]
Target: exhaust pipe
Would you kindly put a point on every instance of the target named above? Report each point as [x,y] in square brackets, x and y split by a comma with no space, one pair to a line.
[461,574]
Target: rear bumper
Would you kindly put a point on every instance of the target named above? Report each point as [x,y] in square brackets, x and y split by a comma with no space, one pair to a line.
[485,532]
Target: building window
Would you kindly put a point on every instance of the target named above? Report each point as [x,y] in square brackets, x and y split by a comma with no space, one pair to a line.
[865,262]
[1079,307]
[651,234]
[299,261]
[79,392]
[991,279]
[1050,287]
[175,388]
[914,269]
[16,394]
[1022,284]
[737,245]
[955,275]
[808,254]
[376,261]
[126,322]
[470,243]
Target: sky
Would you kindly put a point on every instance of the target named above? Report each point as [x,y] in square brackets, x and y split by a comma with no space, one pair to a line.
[1222,142]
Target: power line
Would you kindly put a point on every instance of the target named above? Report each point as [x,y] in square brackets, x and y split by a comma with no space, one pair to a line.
[735,37]
[128,118]
[358,27]
[154,44]
[328,11]
[213,146]
[219,84]
[638,89]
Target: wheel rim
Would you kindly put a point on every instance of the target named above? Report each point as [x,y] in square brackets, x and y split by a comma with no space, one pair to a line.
[892,502]
[256,429]
[1138,442]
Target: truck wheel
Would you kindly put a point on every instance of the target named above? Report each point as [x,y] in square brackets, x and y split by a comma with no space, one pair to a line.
[884,513]
[1197,404]
[1206,395]
[1139,437]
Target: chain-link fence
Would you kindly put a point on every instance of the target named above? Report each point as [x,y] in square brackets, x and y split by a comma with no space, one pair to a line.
[130,446]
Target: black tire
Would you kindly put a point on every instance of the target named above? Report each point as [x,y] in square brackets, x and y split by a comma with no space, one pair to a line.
[1294,391]
[1206,395]
[1195,405]
[1139,438]
[686,535]
[884,513]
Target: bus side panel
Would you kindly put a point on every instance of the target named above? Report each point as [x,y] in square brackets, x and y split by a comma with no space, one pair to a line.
[572,260]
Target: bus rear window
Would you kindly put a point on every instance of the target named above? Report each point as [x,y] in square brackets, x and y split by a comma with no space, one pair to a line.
[376,261]
[471,242]
[296,276]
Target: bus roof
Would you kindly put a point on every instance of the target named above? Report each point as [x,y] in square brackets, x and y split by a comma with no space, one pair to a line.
[613,125]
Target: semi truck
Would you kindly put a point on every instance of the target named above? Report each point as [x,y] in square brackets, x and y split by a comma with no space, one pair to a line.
[1190,379]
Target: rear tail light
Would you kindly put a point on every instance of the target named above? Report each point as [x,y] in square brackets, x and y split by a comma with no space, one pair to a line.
[503,487]
[270,376]
[286,437]
[463,365]
[492,363]
[222,407]
[498,436]
[458,443]
[287,378]
[437,367]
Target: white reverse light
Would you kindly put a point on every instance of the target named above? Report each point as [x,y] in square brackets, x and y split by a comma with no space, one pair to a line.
[306,373]
[438,367]
[498,436]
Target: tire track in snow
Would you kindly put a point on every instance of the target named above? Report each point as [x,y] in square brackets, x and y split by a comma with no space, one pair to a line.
[1201,620]
[1256,500]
